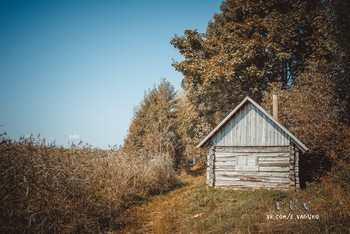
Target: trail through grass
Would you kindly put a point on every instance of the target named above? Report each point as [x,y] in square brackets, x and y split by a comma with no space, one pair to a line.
[196,208]
[153,215]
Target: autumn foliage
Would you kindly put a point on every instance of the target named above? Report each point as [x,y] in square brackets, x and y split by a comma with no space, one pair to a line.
[153,129]
[298,50]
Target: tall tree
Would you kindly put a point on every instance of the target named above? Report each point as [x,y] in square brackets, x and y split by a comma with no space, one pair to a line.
[252,45]
[248,45]
[153,130]
[316,106]
[189,125]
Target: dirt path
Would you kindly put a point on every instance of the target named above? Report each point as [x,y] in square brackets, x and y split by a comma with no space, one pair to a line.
[149,217]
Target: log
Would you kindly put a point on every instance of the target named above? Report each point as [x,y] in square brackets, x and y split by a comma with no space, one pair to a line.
[252,184]
[256,149]
[274,169]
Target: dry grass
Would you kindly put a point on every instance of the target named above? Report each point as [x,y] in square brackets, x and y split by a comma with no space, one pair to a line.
[196,208]
[45,188]
[162,214]
[329,200]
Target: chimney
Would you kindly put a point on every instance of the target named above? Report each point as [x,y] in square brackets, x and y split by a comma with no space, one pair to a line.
[275,107]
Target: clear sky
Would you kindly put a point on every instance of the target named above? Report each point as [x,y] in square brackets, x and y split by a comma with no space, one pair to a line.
[76,70]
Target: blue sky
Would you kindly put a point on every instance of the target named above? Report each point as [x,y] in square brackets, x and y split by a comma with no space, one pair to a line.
[76,70]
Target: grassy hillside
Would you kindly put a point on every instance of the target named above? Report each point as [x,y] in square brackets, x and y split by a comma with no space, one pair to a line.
[196,208]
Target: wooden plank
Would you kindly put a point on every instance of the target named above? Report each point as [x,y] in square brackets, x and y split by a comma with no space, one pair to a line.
[225,163]
[225,170]
[251,184]
[284,176]
[227,158]
[220,177]
[263,124]
[266,175]
[236,187]
[232,155]
[236,174]
[220,159]
[268,159]
[253,173]
[231,162]
[274,169]
[262,162]
[267,156]
[275,180]
[271,156]
[281,155]
[224,154]
[247,168]
[223,178]
[274,164]
[256,149]
[248,126]
[222,168]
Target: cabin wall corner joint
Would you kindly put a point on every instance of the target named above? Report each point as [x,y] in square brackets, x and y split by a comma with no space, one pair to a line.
[294,166]
[211,166]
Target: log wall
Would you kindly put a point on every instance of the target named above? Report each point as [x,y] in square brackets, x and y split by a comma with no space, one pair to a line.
[272,169]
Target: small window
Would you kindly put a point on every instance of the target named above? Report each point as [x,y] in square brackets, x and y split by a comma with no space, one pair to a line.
[246,163]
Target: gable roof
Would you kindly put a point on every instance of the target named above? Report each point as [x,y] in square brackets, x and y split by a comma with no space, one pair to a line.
[230,116]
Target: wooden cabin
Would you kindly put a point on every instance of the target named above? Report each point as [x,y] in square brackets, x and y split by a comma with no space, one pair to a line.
[251,149]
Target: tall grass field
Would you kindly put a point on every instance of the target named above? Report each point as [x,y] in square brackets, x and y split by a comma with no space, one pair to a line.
[49,189]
